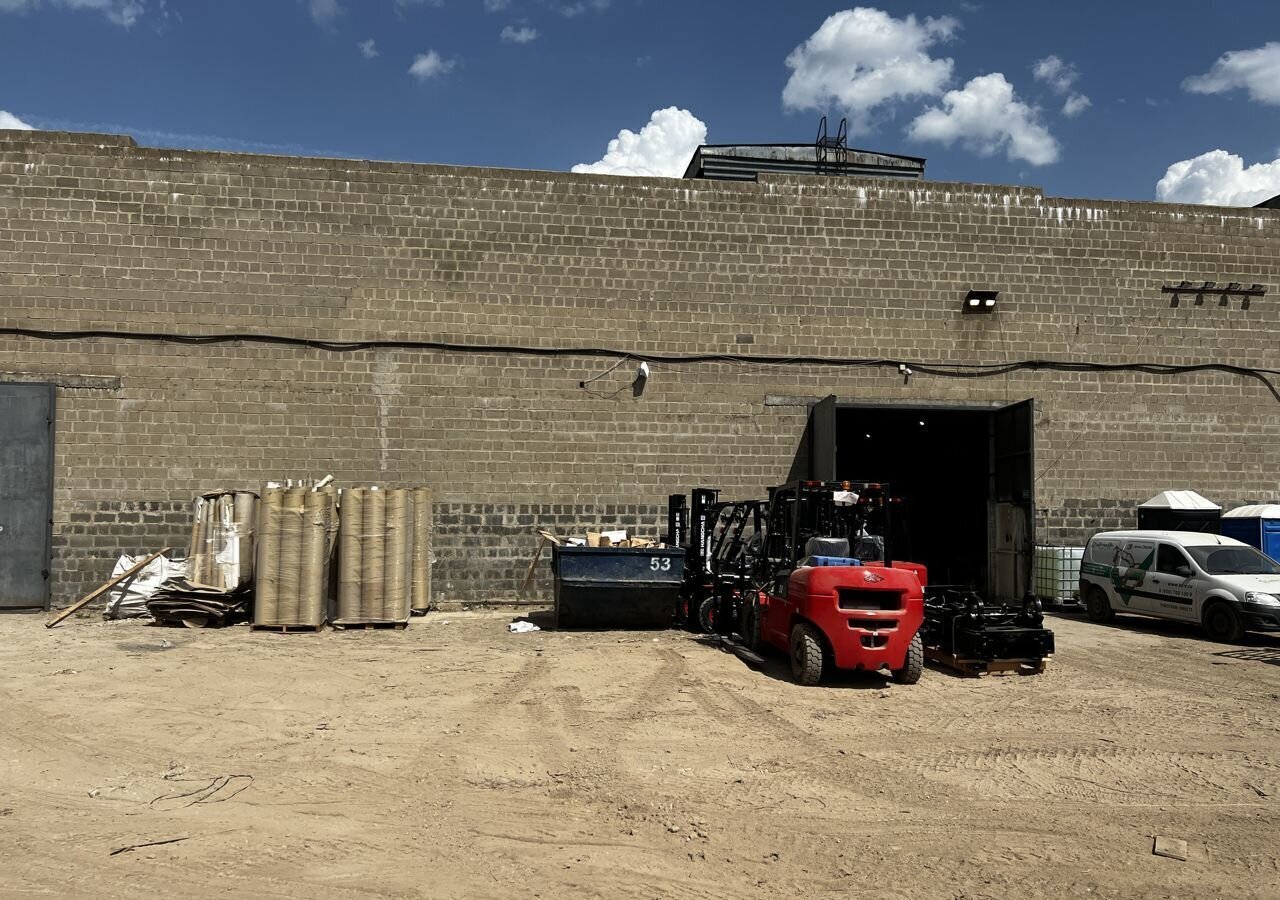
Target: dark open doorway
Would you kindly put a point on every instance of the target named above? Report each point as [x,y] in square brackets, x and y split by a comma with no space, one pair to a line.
[962,476]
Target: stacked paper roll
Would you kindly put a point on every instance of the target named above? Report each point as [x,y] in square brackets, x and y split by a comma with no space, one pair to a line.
[420,599]
[298,531]
[350,554]
[222,540]
[384,554]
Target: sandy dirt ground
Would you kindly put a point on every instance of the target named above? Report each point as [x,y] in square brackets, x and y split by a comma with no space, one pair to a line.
[457,760]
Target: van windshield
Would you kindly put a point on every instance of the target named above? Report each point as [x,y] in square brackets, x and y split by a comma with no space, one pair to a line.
[1233,561]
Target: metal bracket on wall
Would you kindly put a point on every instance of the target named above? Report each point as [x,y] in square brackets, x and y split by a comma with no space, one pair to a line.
[1225,291]
[83,382]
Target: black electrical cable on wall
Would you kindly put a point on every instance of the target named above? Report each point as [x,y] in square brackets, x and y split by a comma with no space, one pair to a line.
[938,369]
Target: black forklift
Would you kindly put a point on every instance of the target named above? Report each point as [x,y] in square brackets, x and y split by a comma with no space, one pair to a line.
[722,539]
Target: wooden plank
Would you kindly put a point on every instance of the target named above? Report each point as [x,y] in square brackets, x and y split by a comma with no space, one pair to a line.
[533,563]
[978,667]
[98,592]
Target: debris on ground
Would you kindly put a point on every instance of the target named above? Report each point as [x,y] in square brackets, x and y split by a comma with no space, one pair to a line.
[1172,848]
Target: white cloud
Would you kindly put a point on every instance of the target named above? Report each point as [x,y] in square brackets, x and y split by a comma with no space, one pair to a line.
[324,11]
[1061,77]
[863,58]
[663,148]
[405,4]
[1075,104]
[569,10]
[122,12]
[522,35]
[1054,72]
[10,122]
[430,65]
[1258,71]
[986,117]
[496,5]
[368,48]
[1219,178]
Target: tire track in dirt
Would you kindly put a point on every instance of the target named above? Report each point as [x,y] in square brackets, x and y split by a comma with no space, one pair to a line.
[1113,776]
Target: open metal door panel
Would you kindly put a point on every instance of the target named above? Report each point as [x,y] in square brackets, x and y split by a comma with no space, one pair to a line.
[26,494]
[822,429]
[1012,519]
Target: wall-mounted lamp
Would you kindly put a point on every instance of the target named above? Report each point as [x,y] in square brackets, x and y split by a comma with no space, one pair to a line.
[980,301]
[642,378]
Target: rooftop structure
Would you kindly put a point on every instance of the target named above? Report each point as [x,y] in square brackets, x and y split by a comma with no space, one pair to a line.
[828,155]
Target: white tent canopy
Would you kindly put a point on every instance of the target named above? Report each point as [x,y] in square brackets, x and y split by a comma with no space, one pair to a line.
[1256,511]
[1179,500]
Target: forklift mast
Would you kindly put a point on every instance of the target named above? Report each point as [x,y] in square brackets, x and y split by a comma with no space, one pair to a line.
[677,520]
[702,524]
[801,510]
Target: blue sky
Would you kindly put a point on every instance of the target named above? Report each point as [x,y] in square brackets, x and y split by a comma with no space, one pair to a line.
[1124,89]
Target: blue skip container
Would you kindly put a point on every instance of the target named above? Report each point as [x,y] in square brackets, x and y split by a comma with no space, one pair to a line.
[616,587]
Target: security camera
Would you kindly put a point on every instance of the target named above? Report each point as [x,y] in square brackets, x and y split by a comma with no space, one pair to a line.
[904,369]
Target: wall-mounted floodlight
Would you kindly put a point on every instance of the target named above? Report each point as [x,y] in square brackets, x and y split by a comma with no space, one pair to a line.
[642,378]
[980,301]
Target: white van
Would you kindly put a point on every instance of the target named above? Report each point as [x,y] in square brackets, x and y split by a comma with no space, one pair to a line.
[1218,582]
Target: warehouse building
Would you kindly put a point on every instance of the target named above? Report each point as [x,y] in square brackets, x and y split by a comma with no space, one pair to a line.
[1021,368]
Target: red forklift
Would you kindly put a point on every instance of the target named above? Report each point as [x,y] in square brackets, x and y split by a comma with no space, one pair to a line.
[830,595]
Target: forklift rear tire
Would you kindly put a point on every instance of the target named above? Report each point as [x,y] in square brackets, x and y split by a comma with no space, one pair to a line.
[682,611]
[806,654]
[708,614]
[749,625]
[913,668]
[1096,605]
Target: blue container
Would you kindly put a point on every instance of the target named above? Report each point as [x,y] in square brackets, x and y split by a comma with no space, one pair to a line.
[616,587]
[1258,526]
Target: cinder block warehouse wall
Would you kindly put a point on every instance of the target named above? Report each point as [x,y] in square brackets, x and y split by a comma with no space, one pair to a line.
[97,233]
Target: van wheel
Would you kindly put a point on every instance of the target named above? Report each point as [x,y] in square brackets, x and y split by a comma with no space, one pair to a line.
[806,654]
[1222,624]
[1096,605]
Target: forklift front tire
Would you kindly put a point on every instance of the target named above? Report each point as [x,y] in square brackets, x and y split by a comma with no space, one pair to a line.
[913,668]
[806,654]
[707,614]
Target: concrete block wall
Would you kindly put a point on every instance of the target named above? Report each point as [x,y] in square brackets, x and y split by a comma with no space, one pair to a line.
[97,233]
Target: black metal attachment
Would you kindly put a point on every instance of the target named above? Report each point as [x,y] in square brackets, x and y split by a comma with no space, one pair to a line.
[960,626]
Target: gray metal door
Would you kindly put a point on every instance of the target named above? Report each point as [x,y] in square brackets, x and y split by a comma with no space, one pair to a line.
[26,494]
[1013,514]
[822,431]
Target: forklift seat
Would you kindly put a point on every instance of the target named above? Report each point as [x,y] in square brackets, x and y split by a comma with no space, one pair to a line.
[827,546]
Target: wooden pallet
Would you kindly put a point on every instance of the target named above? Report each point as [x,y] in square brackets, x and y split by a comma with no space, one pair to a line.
[975,668]
[369,626]
[288,629]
